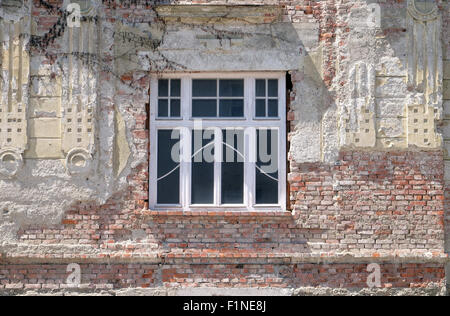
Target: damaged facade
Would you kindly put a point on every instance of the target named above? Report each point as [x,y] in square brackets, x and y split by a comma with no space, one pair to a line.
[361,109]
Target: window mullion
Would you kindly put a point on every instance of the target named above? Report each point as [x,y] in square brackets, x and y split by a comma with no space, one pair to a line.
[218,148]
[217,154]
[169,110]
[267,97]
[248,176]
[186,97]
[250,167]
[187,167]
[248,96]
[186,143]
[218,99]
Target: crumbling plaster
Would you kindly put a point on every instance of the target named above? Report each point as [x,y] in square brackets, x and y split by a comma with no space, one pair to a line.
[367,105]
[46,185]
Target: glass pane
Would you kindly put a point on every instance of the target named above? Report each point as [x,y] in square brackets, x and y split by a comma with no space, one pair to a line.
[204,88]
[175,87]
[273,108]
[260,108]
[260,88]
[163,108]
[202,181]
[273,88]
[233,167]
[163,88]
[231,88]
[175,108]
[267,167]
[168,184]
[231,108]
[204,108]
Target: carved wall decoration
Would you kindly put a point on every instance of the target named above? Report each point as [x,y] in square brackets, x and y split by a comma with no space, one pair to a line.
[424,72]
[78,161]
[14,82]
[421,126]
[87,7]
[360,124]
[79,98]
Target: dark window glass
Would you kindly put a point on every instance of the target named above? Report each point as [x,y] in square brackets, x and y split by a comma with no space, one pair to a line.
[175,108]
[163,88]
[169,106]
[266,92]
[260,108]
[260,88]
[273,88]
[273,108]
[202,182]
[168,184]
[175,88]
[267,167]
[204,88]
[231,108]
[204,108]
[231,88]
[163,108]
[233,167]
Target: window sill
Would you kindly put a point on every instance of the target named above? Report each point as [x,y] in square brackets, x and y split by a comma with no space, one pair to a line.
[201,213]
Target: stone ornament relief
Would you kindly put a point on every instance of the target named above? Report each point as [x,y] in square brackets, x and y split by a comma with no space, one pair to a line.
[79,96]
[423,10]
[72,133]
[360,124]
[423,90]
[14,79]
[424,73]
[88,8]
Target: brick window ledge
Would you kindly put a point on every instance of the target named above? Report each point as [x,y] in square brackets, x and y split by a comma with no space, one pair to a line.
[204,213]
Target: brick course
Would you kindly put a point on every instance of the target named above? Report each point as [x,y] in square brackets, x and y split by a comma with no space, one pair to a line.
[224,274]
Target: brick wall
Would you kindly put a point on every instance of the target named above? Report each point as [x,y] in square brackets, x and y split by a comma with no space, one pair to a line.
[369,207]
[383,207]
[223,274]
[373,201]
[367,203]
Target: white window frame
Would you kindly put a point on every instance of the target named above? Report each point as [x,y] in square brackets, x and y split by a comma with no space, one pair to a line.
[249,120]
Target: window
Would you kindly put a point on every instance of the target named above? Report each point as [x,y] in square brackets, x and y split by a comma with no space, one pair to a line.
[217,98]
[266,98]
[218,141]
[169,98]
